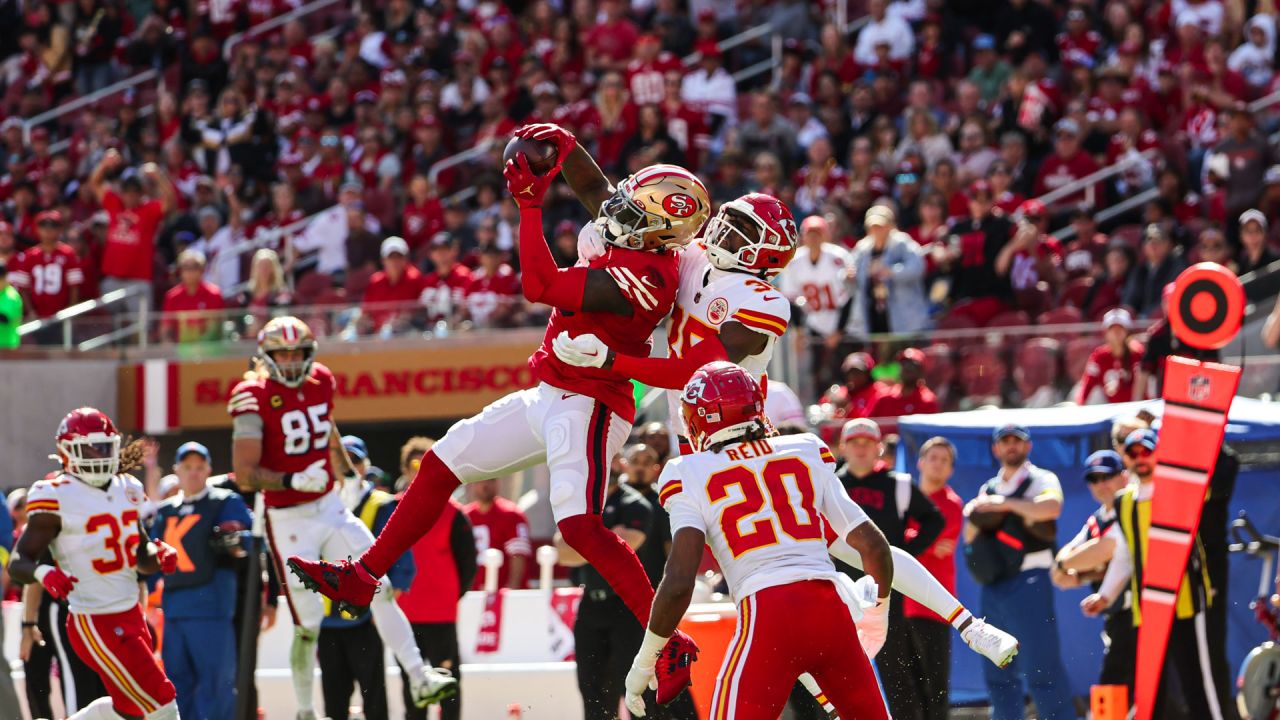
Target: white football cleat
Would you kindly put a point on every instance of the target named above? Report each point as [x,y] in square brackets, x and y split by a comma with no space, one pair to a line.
[990,642]
[431,685]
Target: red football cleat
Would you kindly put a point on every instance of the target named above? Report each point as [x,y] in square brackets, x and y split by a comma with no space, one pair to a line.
[673,667]
[346,583]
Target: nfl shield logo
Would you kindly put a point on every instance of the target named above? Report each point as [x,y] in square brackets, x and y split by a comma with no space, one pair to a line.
[1198,388]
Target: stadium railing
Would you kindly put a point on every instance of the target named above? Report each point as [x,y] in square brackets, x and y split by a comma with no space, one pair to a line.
[83,101]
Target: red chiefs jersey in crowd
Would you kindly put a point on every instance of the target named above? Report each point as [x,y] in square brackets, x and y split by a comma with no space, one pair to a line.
[490,292]
[645,78]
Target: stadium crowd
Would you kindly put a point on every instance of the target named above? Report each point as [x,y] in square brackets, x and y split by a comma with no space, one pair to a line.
[930,145]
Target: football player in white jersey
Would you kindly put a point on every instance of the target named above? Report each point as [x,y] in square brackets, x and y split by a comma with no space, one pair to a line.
[818,280]
[87,517]
[763,504]
[727,310]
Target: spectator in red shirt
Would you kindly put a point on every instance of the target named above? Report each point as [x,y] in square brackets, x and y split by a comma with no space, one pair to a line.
[499,524]
[423,215]
[1112,367]
[931,634]
[1067,164]
[859,393]
[128,260]
[444,288]
[911,396]
[646,70]
[609,41]
[48,275]
[191,307]
[391,290]
[493,297]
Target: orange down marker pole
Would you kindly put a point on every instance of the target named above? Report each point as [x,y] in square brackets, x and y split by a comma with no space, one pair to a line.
[1205,311]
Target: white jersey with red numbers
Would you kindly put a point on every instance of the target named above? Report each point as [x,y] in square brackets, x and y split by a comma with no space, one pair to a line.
[708,298]
[823,284]
[763,506]
[98,543]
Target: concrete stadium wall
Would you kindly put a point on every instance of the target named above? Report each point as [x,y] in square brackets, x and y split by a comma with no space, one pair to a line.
[34,396]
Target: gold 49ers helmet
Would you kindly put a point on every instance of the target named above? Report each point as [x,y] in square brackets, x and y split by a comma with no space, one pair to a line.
[286,333]
[662,206]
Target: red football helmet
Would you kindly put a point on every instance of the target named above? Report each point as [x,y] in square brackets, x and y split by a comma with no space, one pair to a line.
[89,446]
[754,234]
[721,402]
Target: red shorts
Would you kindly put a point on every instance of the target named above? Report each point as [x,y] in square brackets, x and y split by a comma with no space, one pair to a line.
[784,632]
[118,646]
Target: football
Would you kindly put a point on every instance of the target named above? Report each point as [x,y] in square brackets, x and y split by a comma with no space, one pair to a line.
[541,154]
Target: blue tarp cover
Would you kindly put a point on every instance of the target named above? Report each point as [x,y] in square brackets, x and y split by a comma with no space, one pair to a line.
[1061,440]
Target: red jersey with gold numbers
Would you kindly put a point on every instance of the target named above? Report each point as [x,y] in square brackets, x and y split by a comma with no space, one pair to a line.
[296,423]
[98,542]
[649,281]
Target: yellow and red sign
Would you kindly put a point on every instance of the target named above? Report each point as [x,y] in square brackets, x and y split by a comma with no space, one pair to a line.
[429,382]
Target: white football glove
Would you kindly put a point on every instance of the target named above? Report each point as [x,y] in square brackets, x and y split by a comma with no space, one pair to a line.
[873,628]
[641,677]
[582,351]
[314,479]
[590,244]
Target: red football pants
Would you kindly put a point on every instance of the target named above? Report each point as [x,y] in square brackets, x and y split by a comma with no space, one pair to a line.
[118,646]
[786,631]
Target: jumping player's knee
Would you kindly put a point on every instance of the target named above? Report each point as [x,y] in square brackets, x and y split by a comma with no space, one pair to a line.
[167,712]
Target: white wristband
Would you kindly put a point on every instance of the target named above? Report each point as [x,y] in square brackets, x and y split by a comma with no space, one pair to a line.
[650,649]
[41,571]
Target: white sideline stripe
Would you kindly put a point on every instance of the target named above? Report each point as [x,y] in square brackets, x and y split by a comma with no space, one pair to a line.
[155,388]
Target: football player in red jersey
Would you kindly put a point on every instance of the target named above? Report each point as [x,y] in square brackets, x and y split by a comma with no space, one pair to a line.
[87,517]
[284,443]
[576,419]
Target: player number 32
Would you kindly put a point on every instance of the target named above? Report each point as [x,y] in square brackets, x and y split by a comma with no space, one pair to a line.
[773,480]
[304,432]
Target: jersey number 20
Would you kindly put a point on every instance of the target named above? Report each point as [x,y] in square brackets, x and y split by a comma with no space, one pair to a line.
[119,554]
[306,431]
[762,531]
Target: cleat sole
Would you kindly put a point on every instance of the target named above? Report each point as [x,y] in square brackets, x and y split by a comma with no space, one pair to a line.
[310,584]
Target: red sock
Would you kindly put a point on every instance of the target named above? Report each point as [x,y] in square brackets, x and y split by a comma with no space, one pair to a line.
[613,559]
[421,505]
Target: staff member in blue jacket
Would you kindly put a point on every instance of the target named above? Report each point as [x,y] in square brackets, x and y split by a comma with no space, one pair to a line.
[350,649]
[209,526]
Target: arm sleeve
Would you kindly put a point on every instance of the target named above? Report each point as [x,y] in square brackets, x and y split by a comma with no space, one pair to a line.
[462,545]
[540,279]
[670,372]
[42,498]
[928,517]
[1120,568]
[1090,380]
[246,426]
[519,543]
[841,511]
[912,265]
[684,514]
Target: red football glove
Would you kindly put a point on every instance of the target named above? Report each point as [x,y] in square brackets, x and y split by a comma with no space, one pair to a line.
[564,140]
[167,557]
[526,187]
[57,583]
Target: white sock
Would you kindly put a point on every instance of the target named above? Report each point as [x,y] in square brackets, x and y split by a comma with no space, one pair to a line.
[302,661]
[100,709]
[812,686]
[168,712]
[396,632]
[911,579]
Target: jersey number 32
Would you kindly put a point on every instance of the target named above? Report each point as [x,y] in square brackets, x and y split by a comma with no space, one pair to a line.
[794,513]
[119,554]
